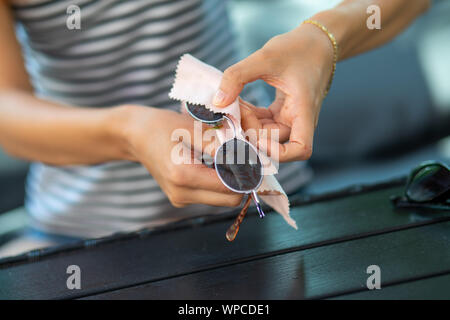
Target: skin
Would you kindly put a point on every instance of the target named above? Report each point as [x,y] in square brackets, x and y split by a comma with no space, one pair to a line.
[297,63]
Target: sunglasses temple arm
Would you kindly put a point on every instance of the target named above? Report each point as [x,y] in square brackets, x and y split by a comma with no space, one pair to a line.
[258,204]
[234,228]
[231,123]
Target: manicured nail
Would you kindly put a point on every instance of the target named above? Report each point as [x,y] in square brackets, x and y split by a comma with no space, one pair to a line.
[219,98]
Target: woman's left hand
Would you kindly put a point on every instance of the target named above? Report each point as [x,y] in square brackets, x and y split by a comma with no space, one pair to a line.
[298,64]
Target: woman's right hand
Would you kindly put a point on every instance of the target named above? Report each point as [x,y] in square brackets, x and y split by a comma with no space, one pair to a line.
[147,133]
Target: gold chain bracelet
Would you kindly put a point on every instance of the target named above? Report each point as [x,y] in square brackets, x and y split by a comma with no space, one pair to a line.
[335,49]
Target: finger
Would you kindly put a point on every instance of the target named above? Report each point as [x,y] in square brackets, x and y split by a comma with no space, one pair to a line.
[198,176]
[300,142]
[249,119]
[251,125]
[196,135]
[267,121]
[260,112]
[256,130]
[212,198]
[278,103]
[235,77]
[276,131]
[250,114]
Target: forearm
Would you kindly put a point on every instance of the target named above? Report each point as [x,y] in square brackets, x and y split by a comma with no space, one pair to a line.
[40,130]
[347,22]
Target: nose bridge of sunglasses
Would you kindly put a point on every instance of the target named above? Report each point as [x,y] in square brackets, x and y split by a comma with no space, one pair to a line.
[231,124]
[201,113]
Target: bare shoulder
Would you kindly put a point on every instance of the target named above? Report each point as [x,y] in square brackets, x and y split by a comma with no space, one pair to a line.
[11,61]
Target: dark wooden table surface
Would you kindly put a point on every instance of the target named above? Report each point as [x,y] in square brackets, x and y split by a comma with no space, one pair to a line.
[339,236]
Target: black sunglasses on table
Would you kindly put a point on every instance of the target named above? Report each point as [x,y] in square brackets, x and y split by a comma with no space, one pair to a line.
[428,186]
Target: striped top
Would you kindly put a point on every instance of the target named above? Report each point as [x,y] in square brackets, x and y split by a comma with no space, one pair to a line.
[125,52]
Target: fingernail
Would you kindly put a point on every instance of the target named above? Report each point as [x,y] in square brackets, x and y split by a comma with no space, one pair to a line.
[219,98]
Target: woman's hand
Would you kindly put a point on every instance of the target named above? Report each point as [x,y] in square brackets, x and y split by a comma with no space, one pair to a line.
[298,64]
[148,134]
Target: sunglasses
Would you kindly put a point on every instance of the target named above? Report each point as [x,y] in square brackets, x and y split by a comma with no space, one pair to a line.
[236,161]
[428,185]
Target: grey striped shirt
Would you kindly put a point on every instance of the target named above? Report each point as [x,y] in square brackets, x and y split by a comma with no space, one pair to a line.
[125,52]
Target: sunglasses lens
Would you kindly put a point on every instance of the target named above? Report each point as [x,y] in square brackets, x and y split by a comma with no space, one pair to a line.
[238,165]
[429,183]
[203,114]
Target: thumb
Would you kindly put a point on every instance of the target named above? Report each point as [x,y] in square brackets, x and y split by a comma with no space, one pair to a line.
[235,77]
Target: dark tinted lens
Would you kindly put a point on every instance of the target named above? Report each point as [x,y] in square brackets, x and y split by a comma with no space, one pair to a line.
[203,114]
[238,165]
[429,183]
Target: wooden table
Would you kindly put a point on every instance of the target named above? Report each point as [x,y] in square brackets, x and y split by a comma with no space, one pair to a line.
[339,236]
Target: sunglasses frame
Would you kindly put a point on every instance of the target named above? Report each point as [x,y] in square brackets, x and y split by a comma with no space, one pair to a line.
[251,192]
[210,122]
[217,171]
[414,173]
[403,202]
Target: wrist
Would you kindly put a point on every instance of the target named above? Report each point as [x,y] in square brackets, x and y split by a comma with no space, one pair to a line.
[119,127]
[333,20]
[317,42]
[320,53]
[344,26]
[334,48]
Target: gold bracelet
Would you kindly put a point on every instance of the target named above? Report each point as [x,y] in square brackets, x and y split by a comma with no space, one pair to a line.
[335,49]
